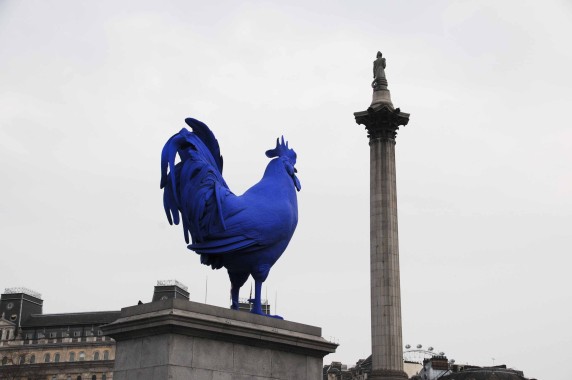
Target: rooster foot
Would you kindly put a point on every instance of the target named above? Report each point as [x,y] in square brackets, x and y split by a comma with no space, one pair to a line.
[260,312]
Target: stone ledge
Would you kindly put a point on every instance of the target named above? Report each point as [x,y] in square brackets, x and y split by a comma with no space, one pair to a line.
[177,316]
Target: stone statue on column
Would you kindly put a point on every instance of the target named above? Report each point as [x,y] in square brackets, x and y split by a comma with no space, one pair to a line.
[379,79]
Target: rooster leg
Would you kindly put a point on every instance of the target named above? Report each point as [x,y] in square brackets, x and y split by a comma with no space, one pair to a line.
[236,282]
[257,303]
[259,277]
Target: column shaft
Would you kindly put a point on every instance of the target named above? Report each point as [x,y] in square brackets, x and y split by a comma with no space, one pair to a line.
[387,348]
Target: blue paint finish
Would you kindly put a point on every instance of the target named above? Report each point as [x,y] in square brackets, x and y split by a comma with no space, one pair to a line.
[246,234]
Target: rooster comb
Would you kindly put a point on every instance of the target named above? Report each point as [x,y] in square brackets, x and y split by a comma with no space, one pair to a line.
[281,150]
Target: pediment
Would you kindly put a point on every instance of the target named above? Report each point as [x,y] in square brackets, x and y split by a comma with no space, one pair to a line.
[5,323]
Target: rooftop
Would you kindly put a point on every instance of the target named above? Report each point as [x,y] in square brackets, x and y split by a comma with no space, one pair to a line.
[23,290]
[68,319]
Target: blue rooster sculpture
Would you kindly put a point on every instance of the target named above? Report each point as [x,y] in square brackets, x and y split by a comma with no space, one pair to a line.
[246,233]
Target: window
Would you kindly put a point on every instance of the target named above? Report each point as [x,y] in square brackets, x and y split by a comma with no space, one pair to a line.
[79,377]
[68,378]
[106,355]
[81,356]
[96,355]
[47,358]
[77,333]
[53,335]
[57,358]
[32,359]
[72,356]
[4,360]
[22,359]
[94,377]
[54,378]
[104,377]
[99,332]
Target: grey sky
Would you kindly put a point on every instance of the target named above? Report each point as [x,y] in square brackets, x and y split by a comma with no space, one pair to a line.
[90,91]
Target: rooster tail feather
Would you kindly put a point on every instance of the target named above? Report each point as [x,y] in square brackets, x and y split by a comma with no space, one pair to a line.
[208,138]
[218,196]
[170,205]
[169,176]
[194,187]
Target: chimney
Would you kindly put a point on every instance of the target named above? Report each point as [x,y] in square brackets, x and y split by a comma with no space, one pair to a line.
[168,289]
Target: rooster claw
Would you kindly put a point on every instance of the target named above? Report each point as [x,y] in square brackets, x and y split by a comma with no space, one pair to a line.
[266,315]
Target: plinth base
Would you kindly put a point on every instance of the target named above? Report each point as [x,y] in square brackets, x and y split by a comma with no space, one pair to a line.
[387,374]
[381,97]
[179,339]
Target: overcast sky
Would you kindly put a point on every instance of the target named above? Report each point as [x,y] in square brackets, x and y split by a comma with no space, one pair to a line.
[91,90]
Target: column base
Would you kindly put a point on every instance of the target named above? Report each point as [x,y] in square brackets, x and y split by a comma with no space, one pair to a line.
[387,374]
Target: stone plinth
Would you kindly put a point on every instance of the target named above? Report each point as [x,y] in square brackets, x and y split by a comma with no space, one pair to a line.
[179,339]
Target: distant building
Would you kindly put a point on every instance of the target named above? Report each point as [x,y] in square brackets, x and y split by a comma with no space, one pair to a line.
[337,371]
[437,367]
[52,346]
[434,367]
[500,372]
[245,305]
[361,370]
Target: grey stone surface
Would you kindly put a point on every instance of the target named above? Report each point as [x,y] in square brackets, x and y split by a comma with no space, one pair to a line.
[381,97]
[222,375]
[149,373]
[177,372]
[128,355]
[161,341]
[250,360]
[382,122]
[213,354]
[209,310]
[387,351]
[150,356]
[286,365]
[181,350]
[313,365]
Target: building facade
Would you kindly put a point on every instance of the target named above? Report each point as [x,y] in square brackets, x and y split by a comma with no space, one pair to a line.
[67,346]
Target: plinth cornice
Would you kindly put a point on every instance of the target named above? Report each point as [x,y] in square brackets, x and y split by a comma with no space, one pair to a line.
[174,316]
[382,121]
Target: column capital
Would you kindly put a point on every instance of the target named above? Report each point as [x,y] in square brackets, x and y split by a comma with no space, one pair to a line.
[382,122]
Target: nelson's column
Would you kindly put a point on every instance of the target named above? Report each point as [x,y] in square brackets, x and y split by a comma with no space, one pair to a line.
[382,121]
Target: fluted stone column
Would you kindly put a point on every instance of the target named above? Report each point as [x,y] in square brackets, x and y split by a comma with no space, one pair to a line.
[382,122]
